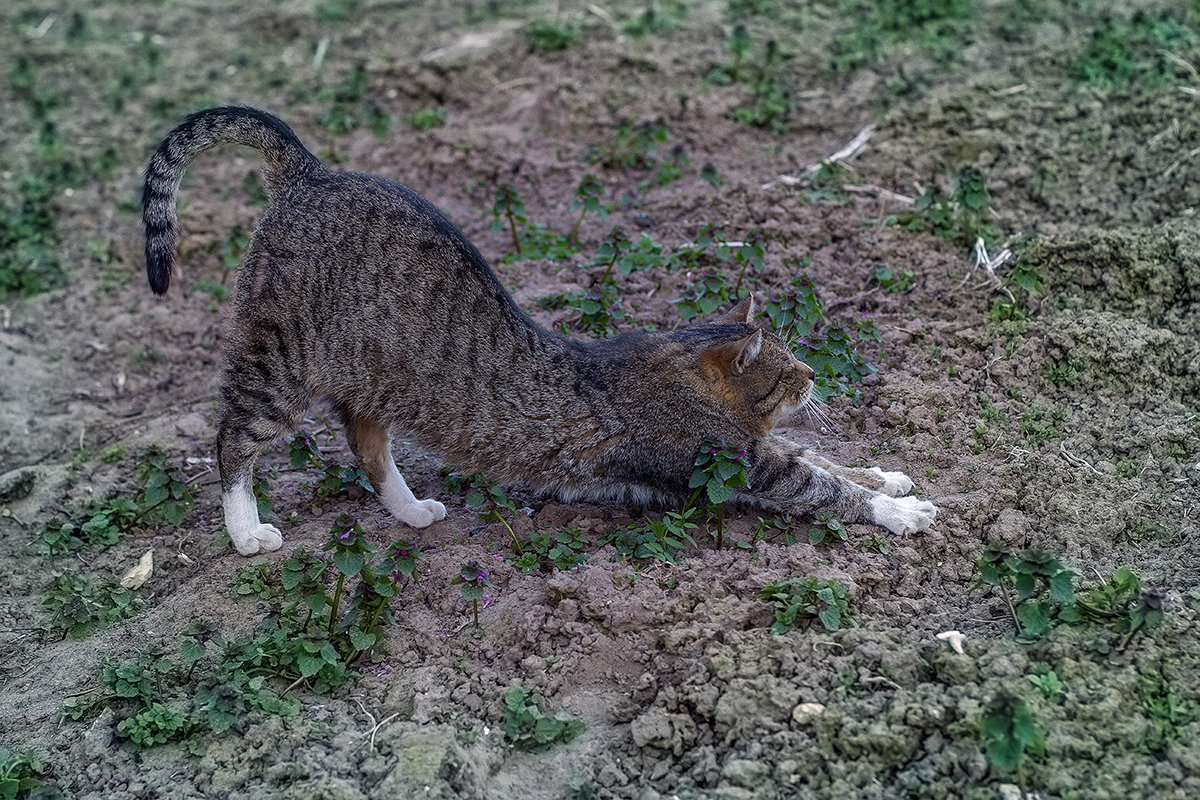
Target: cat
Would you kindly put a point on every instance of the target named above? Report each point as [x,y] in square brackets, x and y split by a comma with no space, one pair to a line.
[356,288]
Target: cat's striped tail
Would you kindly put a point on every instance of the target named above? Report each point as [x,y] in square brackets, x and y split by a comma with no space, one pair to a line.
[287,162]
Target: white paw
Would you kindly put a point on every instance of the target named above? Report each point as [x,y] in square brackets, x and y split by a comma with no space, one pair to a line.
[437,509]
[903,514]
[258,539]
[894,483]
[421,513]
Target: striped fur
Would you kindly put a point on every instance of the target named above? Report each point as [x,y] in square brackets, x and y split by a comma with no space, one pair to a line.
[356,288]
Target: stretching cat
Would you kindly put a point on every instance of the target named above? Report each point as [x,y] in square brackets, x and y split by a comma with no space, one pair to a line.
[356,288]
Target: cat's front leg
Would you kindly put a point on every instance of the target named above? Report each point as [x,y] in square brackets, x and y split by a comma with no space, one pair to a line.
[894,484]
[780,475]
[902,515]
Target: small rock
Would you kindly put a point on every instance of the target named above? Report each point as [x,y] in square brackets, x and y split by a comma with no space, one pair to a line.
[805,713]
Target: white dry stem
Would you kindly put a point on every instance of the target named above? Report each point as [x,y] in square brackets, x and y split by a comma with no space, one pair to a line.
[855,146]
[988,263]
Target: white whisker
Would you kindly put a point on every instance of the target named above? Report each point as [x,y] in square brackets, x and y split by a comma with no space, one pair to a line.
[814,409]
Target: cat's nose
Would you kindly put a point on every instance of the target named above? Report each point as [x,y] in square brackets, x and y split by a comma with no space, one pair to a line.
[807,371]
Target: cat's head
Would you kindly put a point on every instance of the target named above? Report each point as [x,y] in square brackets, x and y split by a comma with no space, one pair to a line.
[752,371]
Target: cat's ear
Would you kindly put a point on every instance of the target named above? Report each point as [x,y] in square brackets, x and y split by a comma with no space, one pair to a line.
[733,357]
[743,312]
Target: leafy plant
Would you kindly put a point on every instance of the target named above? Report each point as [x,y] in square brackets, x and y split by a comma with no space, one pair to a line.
[890,280]
[1024,580]
[426,119]
[800,599]
[536,241]
[1009,731]
[256,579]
[719,471]
[1167,711]
[594,311]
[100,524]
[827,530]
[350,106]
[475,581]
[1121,602]
[529,727]
[334,479]
[963,216]
[550,36]
[157,723]
[562,550]
[22,775]
[488,499]
[587,198]
[705,295]
[165,493]
[661,540]
[831,350]
[78,606]
[773,530]
[1133,50]
[1049,684]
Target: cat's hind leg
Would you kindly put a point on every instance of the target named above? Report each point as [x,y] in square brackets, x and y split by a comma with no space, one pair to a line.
[260,401]
[372,447]
[238,447]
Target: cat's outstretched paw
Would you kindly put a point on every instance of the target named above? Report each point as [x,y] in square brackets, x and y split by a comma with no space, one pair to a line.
[895,484]
[903,515]
[421,513]
[257,539]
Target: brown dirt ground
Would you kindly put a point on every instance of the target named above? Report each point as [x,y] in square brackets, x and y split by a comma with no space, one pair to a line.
[1076,428]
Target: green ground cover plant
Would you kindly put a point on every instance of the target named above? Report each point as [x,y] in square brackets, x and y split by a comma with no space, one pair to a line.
[528,726]
[799,600]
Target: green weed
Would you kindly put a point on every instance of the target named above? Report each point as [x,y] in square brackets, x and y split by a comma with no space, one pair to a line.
[426,119]
[831,350]
[474,581]
[936,25]
[551,36]
[1134,50]
[165,494]
[661,540]
[799,599]
[776,529]
[719,471]
[528,726]
[657,18]
[22,775]
[1009,731]
[350,106]
[1024,580]
[78,607]
[890,280]
[643,148]
[1122,602]
[1168,712]
[334,479]
[827,530]
[595,311]
[963,216]
[561,550]
[760,69]
[1049,684]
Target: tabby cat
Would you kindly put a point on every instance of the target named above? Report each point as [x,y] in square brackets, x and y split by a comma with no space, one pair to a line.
[356,288]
